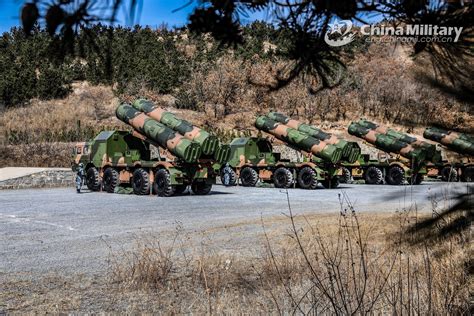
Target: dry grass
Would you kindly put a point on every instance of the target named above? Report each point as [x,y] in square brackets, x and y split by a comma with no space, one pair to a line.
[78,117]
[37,155]
[383,84]
[325,264]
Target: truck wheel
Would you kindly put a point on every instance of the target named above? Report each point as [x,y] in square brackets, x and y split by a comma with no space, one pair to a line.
[201,187]
[449,174]
[111,180]
[373,175]
[331,184]
[140,182]
[468,174]
[307,178]
[179,189]
[282,178]
[228,176]
[248,177]
[346,176]
[162,184]
[93,179]
[395,175]
[417,179]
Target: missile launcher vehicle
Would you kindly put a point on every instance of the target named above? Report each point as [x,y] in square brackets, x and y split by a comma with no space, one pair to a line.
[460,166]
[384,168]
[118,158]
[453,170]
[398,163]
[253,159]
[115,158]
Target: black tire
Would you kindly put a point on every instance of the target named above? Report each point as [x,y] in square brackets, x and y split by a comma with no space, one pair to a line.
[417,179]
[179,189]
[228,176]
[111,180]
[373,175]
[346,176]
[468,174]
[248,177]
[141,182]
[162,185]
[330,184]
[396,175]
[449,174]
[307,178]
[201,187]
[282,178]
[93,179]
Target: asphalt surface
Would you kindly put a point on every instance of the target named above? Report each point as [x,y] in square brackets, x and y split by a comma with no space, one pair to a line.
[58,230]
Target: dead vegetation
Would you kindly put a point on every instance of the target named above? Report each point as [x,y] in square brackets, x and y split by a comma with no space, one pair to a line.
[383,84]
[322,264]
[346,264]
[78,117]
[37,155]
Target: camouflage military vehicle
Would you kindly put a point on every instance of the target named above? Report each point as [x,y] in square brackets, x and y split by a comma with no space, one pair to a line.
[116,158]
[385,168]
[461,166]
[399,162]
[253,159]
[454,170]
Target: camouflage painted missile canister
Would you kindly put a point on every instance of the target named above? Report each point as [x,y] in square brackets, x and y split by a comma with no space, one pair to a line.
[387,143]
[209,143]
[222,153]
[167,138]
[430,150]
[299,140]
[458,142]
[350,150]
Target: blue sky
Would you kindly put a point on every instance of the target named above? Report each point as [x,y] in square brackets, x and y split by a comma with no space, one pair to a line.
[154,13]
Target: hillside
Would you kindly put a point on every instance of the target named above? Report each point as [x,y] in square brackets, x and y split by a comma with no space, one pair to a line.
[225,93]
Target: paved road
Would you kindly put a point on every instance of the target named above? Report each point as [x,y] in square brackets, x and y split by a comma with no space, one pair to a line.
[57,230]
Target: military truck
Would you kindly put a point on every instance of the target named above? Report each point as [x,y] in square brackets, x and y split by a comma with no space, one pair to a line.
[116,158]
[460,167]
[253,159]
[384,168]
[397,163]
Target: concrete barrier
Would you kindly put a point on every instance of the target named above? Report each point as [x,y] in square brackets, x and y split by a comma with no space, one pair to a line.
[24,178]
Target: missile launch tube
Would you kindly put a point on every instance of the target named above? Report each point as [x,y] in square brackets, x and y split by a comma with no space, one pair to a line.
[430,149]
[350,150]
[299,140]
[457,142]
[387,143]
[209,143]
[167,138]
